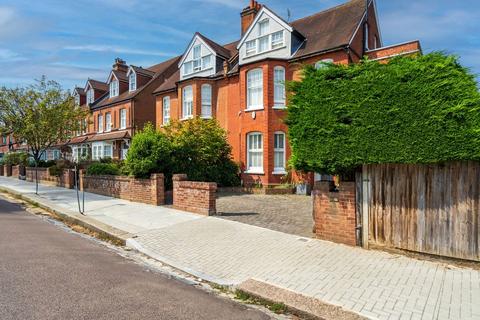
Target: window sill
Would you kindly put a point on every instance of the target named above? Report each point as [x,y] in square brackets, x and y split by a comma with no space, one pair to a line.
[256,54]
[254,109]
[279,107]
[187,118]
[279,172]
[254,171]
[206,117]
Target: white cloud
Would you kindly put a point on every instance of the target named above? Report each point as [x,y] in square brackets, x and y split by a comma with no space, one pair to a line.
[115,49]
[7,55]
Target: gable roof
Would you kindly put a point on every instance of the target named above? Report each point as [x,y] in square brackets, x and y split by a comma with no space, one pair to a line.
[157,69]
[270,13]
[97,85]
[79,90]
[141,71]
[329,29]
[220,50]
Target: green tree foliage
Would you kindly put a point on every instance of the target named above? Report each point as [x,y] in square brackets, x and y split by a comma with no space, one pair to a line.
[101,169]
[202,151]
[197,147]
[16,158]
[41,115]
[150,152]
[422,109]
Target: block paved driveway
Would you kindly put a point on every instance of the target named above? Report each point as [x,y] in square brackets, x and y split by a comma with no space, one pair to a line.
[285,213]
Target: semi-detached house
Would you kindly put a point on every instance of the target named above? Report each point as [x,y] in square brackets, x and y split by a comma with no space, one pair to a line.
[241,84]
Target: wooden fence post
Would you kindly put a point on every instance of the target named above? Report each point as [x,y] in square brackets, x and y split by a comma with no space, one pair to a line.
[365,200]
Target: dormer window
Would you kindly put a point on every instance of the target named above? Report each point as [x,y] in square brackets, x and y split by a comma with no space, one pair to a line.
[90,96]
[132,81]
[251,47]
[199,58]
[277,40]
[113,88]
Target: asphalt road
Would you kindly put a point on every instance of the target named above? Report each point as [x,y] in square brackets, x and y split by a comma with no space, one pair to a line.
[48,273]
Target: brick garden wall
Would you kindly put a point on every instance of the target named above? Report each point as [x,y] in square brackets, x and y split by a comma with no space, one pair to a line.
[15,171]
[2,170]
[8,170]
[65,180]
[197,197]
[149,191]
[334,213]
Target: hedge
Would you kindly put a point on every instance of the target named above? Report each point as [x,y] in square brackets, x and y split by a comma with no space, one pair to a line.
[422,109]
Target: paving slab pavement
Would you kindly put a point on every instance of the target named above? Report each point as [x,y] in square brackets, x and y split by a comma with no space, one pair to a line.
[374,284]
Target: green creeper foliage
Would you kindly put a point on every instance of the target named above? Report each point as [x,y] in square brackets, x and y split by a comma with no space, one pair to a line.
[422,109]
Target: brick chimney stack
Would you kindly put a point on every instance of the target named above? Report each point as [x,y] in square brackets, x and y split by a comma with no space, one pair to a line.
[120,65]
[248,15]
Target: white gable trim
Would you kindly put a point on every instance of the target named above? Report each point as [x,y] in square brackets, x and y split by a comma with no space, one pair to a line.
[360,24]
[110,77]
[130,70]
[195,37]
[269,13]
[88,86]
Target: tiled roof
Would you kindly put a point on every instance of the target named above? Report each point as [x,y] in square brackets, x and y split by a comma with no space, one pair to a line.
[80,91]
[220,50]
[142,71]
[170,83]
[98,85]
[109,136]
[329,29]
[157,69]
[120,75]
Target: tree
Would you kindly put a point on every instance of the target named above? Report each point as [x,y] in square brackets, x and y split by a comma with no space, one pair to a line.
[422,109]
[41,115]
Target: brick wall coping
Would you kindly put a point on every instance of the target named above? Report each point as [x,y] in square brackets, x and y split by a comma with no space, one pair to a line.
[122,178]
[198,185]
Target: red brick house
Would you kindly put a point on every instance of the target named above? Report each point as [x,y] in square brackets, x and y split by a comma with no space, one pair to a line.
[118,107]
[242,84]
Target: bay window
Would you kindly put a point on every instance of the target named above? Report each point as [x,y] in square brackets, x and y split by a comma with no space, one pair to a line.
[255,89]
[206,101]
[187,105]
[279,153]
[255,153]
[166,110]
[279,86]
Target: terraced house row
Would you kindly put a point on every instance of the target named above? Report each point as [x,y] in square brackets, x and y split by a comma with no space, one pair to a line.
[241,84]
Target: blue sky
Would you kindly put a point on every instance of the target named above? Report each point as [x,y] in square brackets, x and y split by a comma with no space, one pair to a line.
[69,41]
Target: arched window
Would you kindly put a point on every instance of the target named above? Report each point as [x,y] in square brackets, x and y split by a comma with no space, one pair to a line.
[279,152]
[187,105]
[279,86]
[255,153]
[255,89]
[206,101]
[322,63]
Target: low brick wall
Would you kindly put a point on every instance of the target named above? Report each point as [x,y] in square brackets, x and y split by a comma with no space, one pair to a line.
[266,191]
[2,170]
[65,180]
[15,171]
[149,191]
[334,213]
[8,170]
[192,196]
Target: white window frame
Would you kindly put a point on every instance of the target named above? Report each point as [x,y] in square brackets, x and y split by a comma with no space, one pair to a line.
[206,101]
[251,86]
[257,149]
[108,122]
[100,123]
[265,22]
[132,81]
[187,104]
[114,88]
[253,47]
[90,95]
[366,33]
[197,59]
[279,150]
[276,44]
[123,119]
[166,109]
[279,88]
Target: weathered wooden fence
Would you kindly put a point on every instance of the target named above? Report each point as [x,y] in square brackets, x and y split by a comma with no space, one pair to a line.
[432,209]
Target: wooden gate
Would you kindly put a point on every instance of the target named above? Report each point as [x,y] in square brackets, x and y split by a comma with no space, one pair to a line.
[432,209]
